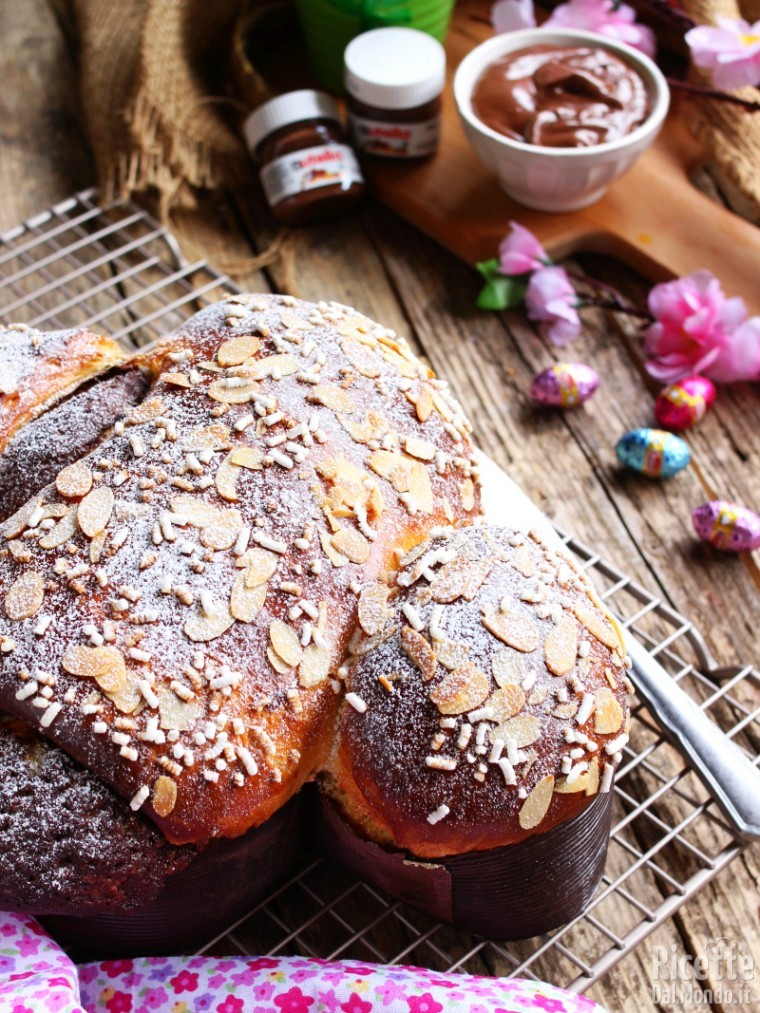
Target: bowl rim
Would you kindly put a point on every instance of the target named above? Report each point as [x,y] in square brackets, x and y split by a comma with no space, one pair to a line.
[488,51]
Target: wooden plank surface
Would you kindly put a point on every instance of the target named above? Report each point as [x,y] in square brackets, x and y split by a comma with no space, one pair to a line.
[566,462]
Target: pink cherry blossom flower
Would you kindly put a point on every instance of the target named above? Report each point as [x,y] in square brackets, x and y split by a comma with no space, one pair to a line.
[731,52]
[510,15]
[520,251]
[698,330]
[552,301]
[615,21]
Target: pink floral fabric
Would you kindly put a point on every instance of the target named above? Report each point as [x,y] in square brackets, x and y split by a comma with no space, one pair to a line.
[36,976]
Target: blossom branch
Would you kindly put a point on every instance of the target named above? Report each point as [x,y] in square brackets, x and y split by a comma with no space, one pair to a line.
[712,93]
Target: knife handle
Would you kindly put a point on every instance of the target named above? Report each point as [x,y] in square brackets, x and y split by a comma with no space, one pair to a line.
[730,777]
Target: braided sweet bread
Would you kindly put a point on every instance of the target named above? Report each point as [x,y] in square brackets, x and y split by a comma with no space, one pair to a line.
[179,603]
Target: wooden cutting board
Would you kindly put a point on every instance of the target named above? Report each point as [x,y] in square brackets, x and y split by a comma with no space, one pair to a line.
[652,218]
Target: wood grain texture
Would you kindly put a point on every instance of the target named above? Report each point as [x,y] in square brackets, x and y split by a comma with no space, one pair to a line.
[653,218]
[565,461]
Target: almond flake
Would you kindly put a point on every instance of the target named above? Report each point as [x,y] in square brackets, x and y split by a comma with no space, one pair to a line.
[314,666]
[467,494]
[524,562]
[25,595]
[524,729]
[566,710]
[246,457]
[507,667]
[95,510]
[195,511]
[561,646]
[274,365]
[373,608]
[406,476]
[237,350]
[219,391]
[164,796]
[127,698]
[373,426]
[423,402]
[245,602]
[422,449]
[459,578]
[335,557]
[419,652]
[176,379]
[226,478]
[608,714]
[336,398]
[103,664]
[277,663]
[74,481]
[261,566]
[506,702]
[587,782]
[62,532]
[223,533]
[201,628]
[462,690]
[535,806]
[597,625]
[146,411]
[352,544]
[361,358]
[451,654]
[514,629]
[285,642]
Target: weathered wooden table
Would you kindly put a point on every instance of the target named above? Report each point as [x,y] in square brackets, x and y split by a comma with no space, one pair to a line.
[566,462]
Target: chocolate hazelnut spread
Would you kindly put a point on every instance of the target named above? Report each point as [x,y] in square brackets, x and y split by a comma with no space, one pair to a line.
[561,96]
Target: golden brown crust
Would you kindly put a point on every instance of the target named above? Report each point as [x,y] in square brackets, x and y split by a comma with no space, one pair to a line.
[485,704]
[39,368]
[176,604]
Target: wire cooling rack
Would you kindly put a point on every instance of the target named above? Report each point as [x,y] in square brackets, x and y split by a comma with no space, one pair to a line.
[114,268]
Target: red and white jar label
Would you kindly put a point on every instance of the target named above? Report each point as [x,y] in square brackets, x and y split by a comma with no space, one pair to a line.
[395,140]
[299,171]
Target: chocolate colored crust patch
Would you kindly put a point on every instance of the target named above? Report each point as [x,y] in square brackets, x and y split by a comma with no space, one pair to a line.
[68,842]
[65,432]
[513,892]
[217,888]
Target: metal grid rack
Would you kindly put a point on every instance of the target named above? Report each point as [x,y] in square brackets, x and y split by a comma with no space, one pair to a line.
[114,268]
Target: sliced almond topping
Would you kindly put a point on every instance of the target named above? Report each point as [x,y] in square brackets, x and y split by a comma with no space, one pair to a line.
[566,710]
[146,411]
[274,365]
[451,654]
[220,391]
[97,544]
[277,663]
[608,714]
[95,510]
[200,627]
[127,698]
[335,557]
[176,379]
[245,602]
[523,561]
[587,782]
[74,481]
[261,566]
[535,806]
[226,478]
[513,628]
[352,544]
[213,437]
[419,652]
[462,690]
[103,664]
[467,494]
[16,523]
[224,531]
[373,608]
[62,532]
[164,796]
[373,426]
[237,350]
[524,729]
[361,358]
[597,625]
[422,449]
[507,667]
[561,646]
[459,578]
[176,713]
[246,457]
[314,666]
[420,488]
[423,402]
[196,511]
[25,595]
[336,398]
[507,701]
[293,322]
[285,642]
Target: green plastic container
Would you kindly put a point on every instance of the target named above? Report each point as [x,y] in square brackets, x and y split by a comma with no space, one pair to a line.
[329,26]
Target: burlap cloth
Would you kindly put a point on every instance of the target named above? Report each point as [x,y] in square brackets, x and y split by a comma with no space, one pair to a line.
[155,74]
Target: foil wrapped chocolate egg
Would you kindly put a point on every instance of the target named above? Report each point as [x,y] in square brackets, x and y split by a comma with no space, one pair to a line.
[727,526]
[564,385]
[653,452]
[683,404]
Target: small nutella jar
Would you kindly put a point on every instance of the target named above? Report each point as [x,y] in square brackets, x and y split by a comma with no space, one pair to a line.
[394,79]
[307,170]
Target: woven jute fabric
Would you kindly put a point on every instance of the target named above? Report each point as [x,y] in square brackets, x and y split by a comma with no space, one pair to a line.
[153,76]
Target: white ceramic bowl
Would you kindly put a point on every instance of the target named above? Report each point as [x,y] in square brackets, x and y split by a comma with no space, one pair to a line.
[557,179]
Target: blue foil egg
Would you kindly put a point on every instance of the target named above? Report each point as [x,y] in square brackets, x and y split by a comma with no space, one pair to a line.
[653,452]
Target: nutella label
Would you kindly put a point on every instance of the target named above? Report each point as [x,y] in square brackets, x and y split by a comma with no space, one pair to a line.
[395,140]
[309,169]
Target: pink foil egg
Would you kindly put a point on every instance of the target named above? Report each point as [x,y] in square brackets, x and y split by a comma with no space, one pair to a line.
[564,385]
[683,404]
[727,526]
